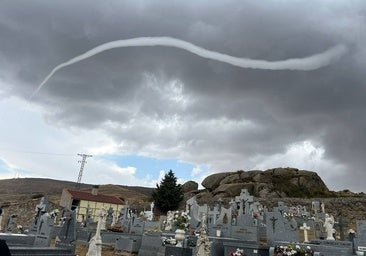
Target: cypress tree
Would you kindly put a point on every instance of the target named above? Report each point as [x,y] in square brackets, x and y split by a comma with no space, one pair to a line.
[168,194]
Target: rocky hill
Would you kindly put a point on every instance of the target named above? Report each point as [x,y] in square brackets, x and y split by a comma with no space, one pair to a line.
[290,185]
[272,183]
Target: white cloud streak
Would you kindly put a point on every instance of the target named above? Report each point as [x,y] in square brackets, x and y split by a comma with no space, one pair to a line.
[305,64]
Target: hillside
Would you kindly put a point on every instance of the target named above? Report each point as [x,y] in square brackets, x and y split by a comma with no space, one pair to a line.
[12,190]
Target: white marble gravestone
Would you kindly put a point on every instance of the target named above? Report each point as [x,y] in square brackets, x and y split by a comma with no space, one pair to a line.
[95,244]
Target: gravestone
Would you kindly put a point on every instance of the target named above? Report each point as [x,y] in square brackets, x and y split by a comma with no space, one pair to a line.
[88,217]
[151,244]
[280,228]
[95,244]
[203,243]
[244,200]
[305,228]
[360,241]
[319,230]
[1,218]
[341,225]
[249,249]
[195,212]
[222,226]
[109,218]
[40,209]
[178,251]
[137,227]
[44,230]
[67,233]
[11,223]
[132,243]
[281,208]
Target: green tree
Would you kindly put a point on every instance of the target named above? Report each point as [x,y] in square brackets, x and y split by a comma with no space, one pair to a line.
[168,194]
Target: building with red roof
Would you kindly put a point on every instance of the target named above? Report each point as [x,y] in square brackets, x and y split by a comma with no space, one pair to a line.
[87,204]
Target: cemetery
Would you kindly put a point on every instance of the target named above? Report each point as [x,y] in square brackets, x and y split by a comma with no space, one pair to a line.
[243,227]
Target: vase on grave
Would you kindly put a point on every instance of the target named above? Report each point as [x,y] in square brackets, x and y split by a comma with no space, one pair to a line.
[218,232]
[179,237]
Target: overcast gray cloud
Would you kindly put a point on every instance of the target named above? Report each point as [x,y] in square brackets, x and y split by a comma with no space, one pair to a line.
[167,102]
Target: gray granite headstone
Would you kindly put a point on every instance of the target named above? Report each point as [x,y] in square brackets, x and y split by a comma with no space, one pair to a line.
[128,243]
[68,231]
[151,244]
[280,228]
[40,209]
[245,233]
[11,223]
[360,241]
[137,227]
[177,251]
[43,235]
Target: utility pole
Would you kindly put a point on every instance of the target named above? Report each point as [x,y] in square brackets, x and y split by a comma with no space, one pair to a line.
[83,162]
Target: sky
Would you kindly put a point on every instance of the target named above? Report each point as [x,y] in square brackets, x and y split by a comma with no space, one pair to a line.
[202,87]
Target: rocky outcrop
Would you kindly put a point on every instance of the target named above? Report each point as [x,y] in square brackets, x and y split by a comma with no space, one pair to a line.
[289,185]
[277,182]
[189,186]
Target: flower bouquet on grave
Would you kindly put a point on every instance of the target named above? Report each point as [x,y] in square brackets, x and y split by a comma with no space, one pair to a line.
[168,240]
[282,250]
[181,220]
[238,252]
[20,229]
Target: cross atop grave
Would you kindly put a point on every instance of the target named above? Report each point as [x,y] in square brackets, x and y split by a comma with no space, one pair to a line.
[11,223]
[305,228]
[282,208]
[219,204]
[315,206]
[213,215]
[244,200]
[88,218]
[67,233]
[273,219]
[190,202]
[341,225]
[95,244]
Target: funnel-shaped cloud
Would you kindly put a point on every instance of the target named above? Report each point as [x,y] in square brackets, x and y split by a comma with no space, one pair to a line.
[308,63]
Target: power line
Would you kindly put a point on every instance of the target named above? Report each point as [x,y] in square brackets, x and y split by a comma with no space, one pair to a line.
[35,152]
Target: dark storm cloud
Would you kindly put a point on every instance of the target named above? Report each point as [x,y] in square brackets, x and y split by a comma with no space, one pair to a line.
[168,102]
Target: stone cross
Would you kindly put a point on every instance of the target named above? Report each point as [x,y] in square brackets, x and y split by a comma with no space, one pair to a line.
[273,219]
[95,244]
[322,206]
[341,225]
[11,223]
[305,228]
[244,199]
[315,208]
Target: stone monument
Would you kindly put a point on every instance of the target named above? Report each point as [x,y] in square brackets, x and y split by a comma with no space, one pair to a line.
[328,225]
[95,244]
[203,242]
